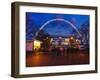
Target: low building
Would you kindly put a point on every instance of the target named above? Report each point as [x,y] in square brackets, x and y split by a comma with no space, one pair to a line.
[29,45]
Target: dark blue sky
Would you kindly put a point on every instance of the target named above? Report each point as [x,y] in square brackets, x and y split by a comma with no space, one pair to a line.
[35,20]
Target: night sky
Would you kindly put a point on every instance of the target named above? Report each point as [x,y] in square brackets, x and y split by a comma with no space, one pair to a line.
[35,20]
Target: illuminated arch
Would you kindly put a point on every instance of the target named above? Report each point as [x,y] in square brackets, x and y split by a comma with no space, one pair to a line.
[58,19]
